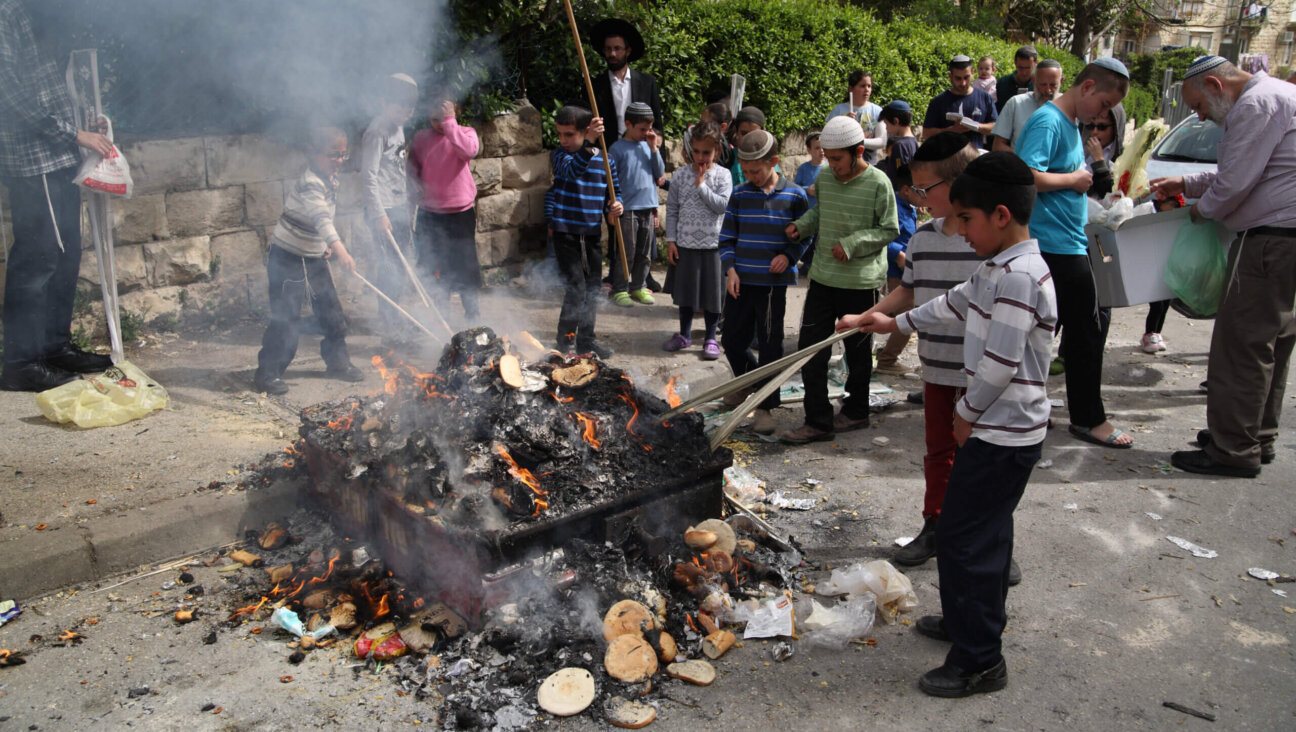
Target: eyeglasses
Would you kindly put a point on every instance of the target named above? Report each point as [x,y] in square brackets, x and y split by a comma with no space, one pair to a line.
[922,192]
[340,157]
[1100,126]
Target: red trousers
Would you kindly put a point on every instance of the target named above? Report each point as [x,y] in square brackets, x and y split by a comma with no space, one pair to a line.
[938,414]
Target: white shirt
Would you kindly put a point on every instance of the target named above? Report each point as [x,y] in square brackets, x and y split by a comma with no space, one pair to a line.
[620,98]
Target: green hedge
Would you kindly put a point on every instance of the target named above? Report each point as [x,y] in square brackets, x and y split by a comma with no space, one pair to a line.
[795,54]
[1146,73]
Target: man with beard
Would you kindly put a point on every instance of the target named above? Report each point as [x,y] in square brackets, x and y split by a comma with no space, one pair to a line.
[1048,79]
[621,44]
[1253,192]
[38,158]
[1020,81]
[962,108]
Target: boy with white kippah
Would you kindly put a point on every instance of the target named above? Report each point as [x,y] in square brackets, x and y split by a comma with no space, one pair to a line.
[854,221]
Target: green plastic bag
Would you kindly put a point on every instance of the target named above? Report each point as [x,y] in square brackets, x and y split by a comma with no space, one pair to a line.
[1197,267]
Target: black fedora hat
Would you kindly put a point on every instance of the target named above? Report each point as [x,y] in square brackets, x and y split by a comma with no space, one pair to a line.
[617,27]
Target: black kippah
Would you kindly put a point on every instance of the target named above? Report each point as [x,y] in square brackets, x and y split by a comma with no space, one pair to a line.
[1000,167]
[941,147]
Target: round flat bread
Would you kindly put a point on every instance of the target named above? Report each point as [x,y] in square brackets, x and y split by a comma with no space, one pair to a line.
[628,714]
[726,540]
[567,691]
[627,616]
[631,659]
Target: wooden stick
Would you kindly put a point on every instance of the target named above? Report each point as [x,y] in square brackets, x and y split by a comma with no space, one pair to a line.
[754,375]
[418,284]
[398,308]
[607,162]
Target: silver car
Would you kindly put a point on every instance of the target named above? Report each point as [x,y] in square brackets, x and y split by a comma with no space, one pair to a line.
[1191,147]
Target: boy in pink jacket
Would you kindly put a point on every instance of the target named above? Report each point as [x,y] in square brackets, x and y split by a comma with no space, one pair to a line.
[446,229]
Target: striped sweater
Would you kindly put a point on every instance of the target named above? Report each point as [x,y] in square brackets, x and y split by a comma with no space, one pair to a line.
[579,192]
[754,232]
[306,226]
[934,263]
[860,214]
[1010,311]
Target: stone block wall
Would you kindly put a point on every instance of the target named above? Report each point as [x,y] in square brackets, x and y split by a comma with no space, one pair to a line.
[204,209]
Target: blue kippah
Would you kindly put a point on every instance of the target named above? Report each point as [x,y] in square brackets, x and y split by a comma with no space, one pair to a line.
[898,105]
[1111,64]
[1202,64]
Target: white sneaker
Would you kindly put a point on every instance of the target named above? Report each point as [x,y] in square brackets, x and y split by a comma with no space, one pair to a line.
[1153,343]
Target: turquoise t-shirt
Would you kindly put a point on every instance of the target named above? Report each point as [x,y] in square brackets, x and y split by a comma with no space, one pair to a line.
[1050,143]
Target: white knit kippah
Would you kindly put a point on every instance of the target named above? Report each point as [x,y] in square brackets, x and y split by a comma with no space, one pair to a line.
[841,132]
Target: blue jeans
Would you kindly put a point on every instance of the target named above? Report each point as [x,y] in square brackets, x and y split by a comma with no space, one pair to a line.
[41,278]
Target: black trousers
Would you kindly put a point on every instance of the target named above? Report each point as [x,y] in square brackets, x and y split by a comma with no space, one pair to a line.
[823,306]
[41,278]
[974,542]
[580,261]
[447,254]
[292,280]
[1156,316]
[756,314]
[1082,346]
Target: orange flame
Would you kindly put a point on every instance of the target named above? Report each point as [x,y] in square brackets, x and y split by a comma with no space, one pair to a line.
[589,434]
[630,425]
[389,375]
[324,578]
[383,607]
[562,400]
[527,478]
[672,397]
[342,424]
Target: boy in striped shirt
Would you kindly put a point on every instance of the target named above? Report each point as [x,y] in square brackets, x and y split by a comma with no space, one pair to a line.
[854,221]
[1010,311]
[757,257]
[575,207]
[939,258]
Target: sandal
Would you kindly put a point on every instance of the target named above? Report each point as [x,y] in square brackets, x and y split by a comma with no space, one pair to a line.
[1086,434]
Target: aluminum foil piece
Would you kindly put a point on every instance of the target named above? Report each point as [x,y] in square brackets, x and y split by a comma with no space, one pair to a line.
[1262,574]
[1195,550]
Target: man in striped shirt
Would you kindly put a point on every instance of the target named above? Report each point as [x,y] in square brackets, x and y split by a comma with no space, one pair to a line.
[1010,310]
[855,220]
[757,256]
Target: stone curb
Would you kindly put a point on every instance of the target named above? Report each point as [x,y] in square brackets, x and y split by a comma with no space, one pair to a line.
[110,545]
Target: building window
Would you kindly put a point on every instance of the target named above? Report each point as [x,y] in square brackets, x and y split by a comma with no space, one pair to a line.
[1287,48]
[1201,40]
[1131,46]
[1191,9]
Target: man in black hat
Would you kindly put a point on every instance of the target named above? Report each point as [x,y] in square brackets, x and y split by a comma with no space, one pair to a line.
[620,44]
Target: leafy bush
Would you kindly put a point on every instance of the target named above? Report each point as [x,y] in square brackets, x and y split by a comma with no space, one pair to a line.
[795,54]
[1147,71]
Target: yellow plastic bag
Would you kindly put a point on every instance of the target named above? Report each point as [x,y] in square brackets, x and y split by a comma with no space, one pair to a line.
[118,395]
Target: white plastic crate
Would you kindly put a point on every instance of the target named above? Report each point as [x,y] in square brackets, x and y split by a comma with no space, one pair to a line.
[1129,264]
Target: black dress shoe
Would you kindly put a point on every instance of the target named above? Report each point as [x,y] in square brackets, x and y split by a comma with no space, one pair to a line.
[953,682]
[1014,573]
[347,372]
[71,358]
[914,397]
[34,377]
[273,387]
[652,284]
[1267,452]
[598,349]
[932,626]
[1197,461]
[922,548]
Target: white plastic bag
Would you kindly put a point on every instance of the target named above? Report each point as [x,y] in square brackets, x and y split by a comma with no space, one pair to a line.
[109,175]
[893,591]
[834,626]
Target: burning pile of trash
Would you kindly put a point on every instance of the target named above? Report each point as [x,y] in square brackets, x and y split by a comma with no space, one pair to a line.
[488,439]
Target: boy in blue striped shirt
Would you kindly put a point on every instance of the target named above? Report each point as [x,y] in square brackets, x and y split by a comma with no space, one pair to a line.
[575,208]
[757,258]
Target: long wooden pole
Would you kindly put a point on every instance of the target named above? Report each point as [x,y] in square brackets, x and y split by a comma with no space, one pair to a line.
[398,308]
[418,284]
[607,161]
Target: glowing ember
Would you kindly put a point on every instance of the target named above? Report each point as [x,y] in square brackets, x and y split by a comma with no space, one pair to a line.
[672,397]
[342,424]
[588,435]
[559,399]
